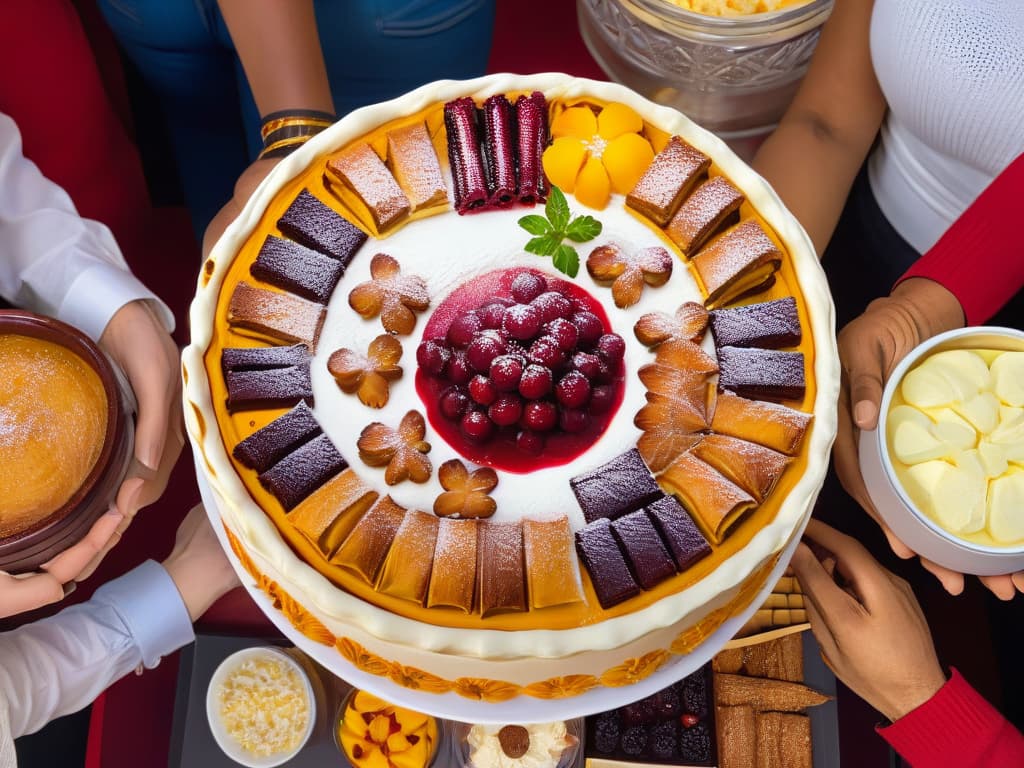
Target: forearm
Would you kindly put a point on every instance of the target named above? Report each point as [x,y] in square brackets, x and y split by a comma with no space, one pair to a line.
[58,665]
[278,44]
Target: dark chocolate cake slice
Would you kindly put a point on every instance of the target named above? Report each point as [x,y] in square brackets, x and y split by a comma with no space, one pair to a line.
[603,560]
[766,374]
[768,324]
[296,268]
[622,485]
[318,226]
[303,470]
[682,536]
[265,447]
[648,559]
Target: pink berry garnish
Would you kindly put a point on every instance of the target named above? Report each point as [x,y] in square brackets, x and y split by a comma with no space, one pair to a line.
[553,305]
[453,403]
[573,390]
[433,356]
[602,398]
[540,416]
[562,331]
[484,348]
[530,442]
[573,420]
[482,390]
[521,321]
[506,370]
[490,314]
[611,347]
[589,327]
[545,351]
[587,364]
[688,720]
[463,329]
[506,410]
[527,286]
[459,369]
[535,382]
[476,426]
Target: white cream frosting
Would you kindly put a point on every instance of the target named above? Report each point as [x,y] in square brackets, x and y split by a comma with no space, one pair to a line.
[514,656]
[548,742]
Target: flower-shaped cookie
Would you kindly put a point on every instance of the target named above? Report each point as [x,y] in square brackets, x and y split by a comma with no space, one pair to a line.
[688,322]
[401,450]
[368,375]
[627,272]
[465,493]
[390,294]
[595,155]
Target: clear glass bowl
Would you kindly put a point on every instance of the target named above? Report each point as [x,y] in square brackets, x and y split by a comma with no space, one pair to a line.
[570,757]
[733,75]
[433,758]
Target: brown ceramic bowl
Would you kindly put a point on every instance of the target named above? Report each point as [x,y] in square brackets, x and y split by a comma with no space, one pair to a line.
[29,547]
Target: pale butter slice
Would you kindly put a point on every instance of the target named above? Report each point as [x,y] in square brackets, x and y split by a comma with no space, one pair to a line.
[913,444]
[927,388]
[1009,436]
[1006,508]
[902,413]
[1008,378]
[993,459]
[966,371]
[982,411]
[953,497]
[959,437]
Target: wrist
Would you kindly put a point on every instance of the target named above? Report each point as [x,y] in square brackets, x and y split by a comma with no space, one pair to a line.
[913,695]
[935,308]
[198,587]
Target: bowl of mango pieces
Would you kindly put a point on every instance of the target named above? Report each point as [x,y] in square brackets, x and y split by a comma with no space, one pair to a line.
[945,467]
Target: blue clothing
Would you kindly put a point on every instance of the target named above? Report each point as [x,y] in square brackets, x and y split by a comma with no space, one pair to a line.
[373,50]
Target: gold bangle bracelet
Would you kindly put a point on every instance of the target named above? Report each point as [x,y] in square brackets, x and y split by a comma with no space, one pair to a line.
[289,142]
[283,122]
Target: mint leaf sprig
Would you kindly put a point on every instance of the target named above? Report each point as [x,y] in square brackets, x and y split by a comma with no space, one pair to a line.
[555,226]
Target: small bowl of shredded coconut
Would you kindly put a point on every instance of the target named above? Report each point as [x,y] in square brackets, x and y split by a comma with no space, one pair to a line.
[261,707]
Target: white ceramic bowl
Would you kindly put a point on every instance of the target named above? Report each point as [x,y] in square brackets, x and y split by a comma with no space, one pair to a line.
[894,504]
[231,747]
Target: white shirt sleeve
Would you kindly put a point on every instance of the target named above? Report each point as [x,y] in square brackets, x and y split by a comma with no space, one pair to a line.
[60,664]
[52,261]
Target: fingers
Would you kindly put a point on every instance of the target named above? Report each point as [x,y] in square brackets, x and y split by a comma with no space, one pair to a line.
[72,561]
[154,380]
[951,581]
[1002,587]
[863,358]
[900,549]
[1018,580]
[831,604]
[20,594]
[854,563]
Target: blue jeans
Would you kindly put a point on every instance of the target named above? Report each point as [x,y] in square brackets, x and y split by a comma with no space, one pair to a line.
[374,50]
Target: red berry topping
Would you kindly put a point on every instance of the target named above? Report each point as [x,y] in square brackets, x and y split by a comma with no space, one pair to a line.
[573,391]
[433,356]
[552,305]
[611,347]
[589,327]
[530,442]
[463,329]
[506,370]
[490,314]
[484,348]
[459,369]
[521,321]
[454,403]
[587,364]
[535,382]
[573,420]
[564,332]
[482,390]
[476,426]
[540,416]
[527,286]
[602,398]
[545,351]
[506,410]
[688,720]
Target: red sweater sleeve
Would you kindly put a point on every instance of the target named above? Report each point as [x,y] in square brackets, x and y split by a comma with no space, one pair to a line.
[980,258]
[956,728]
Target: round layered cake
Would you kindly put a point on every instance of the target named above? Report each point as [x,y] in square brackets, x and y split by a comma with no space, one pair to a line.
[511,390]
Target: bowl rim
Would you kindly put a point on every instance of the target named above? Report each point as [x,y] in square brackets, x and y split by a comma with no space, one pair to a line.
[912,358]
[705,27]
[228,746]
[19,322]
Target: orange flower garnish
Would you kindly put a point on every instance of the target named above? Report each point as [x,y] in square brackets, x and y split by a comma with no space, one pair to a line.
[595,155]
[368,375]
[401,450]
[465,494]
[390,294]
[688,322]
[628,271]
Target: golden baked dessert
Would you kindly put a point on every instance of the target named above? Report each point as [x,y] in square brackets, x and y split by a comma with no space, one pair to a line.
[53,422]
[471,446]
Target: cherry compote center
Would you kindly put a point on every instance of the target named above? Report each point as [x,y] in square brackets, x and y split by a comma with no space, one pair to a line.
[519,370]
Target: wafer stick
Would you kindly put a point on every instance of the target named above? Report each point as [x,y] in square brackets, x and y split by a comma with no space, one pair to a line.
[737,736]
[783,740]
[779,659]
[764,694]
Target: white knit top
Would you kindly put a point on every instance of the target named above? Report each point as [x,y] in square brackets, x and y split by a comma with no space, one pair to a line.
[952,72]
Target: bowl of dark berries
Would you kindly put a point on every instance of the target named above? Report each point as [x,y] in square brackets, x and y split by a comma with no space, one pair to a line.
[674,726]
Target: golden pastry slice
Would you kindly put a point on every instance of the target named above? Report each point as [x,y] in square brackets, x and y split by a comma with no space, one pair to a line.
[783,740]
[280,316]
[702,213]
[779,659]
[765,695]
[453,577]
[406,571]
[668,179]
[752,467]
[729,660]
[327,516]
[364,173]
[414,164]
[737,736]
[769,424]
[737,263]
[367,545]
[715,502]
[670,427]
[552,573]
[500,579]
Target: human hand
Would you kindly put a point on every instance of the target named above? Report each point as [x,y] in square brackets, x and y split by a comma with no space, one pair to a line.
[872,632]
[244,187]
[137,341]
[34,590]
[197,564]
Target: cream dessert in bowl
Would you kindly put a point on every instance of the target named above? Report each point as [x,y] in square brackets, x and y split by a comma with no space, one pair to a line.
[945,467]
[472,466]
